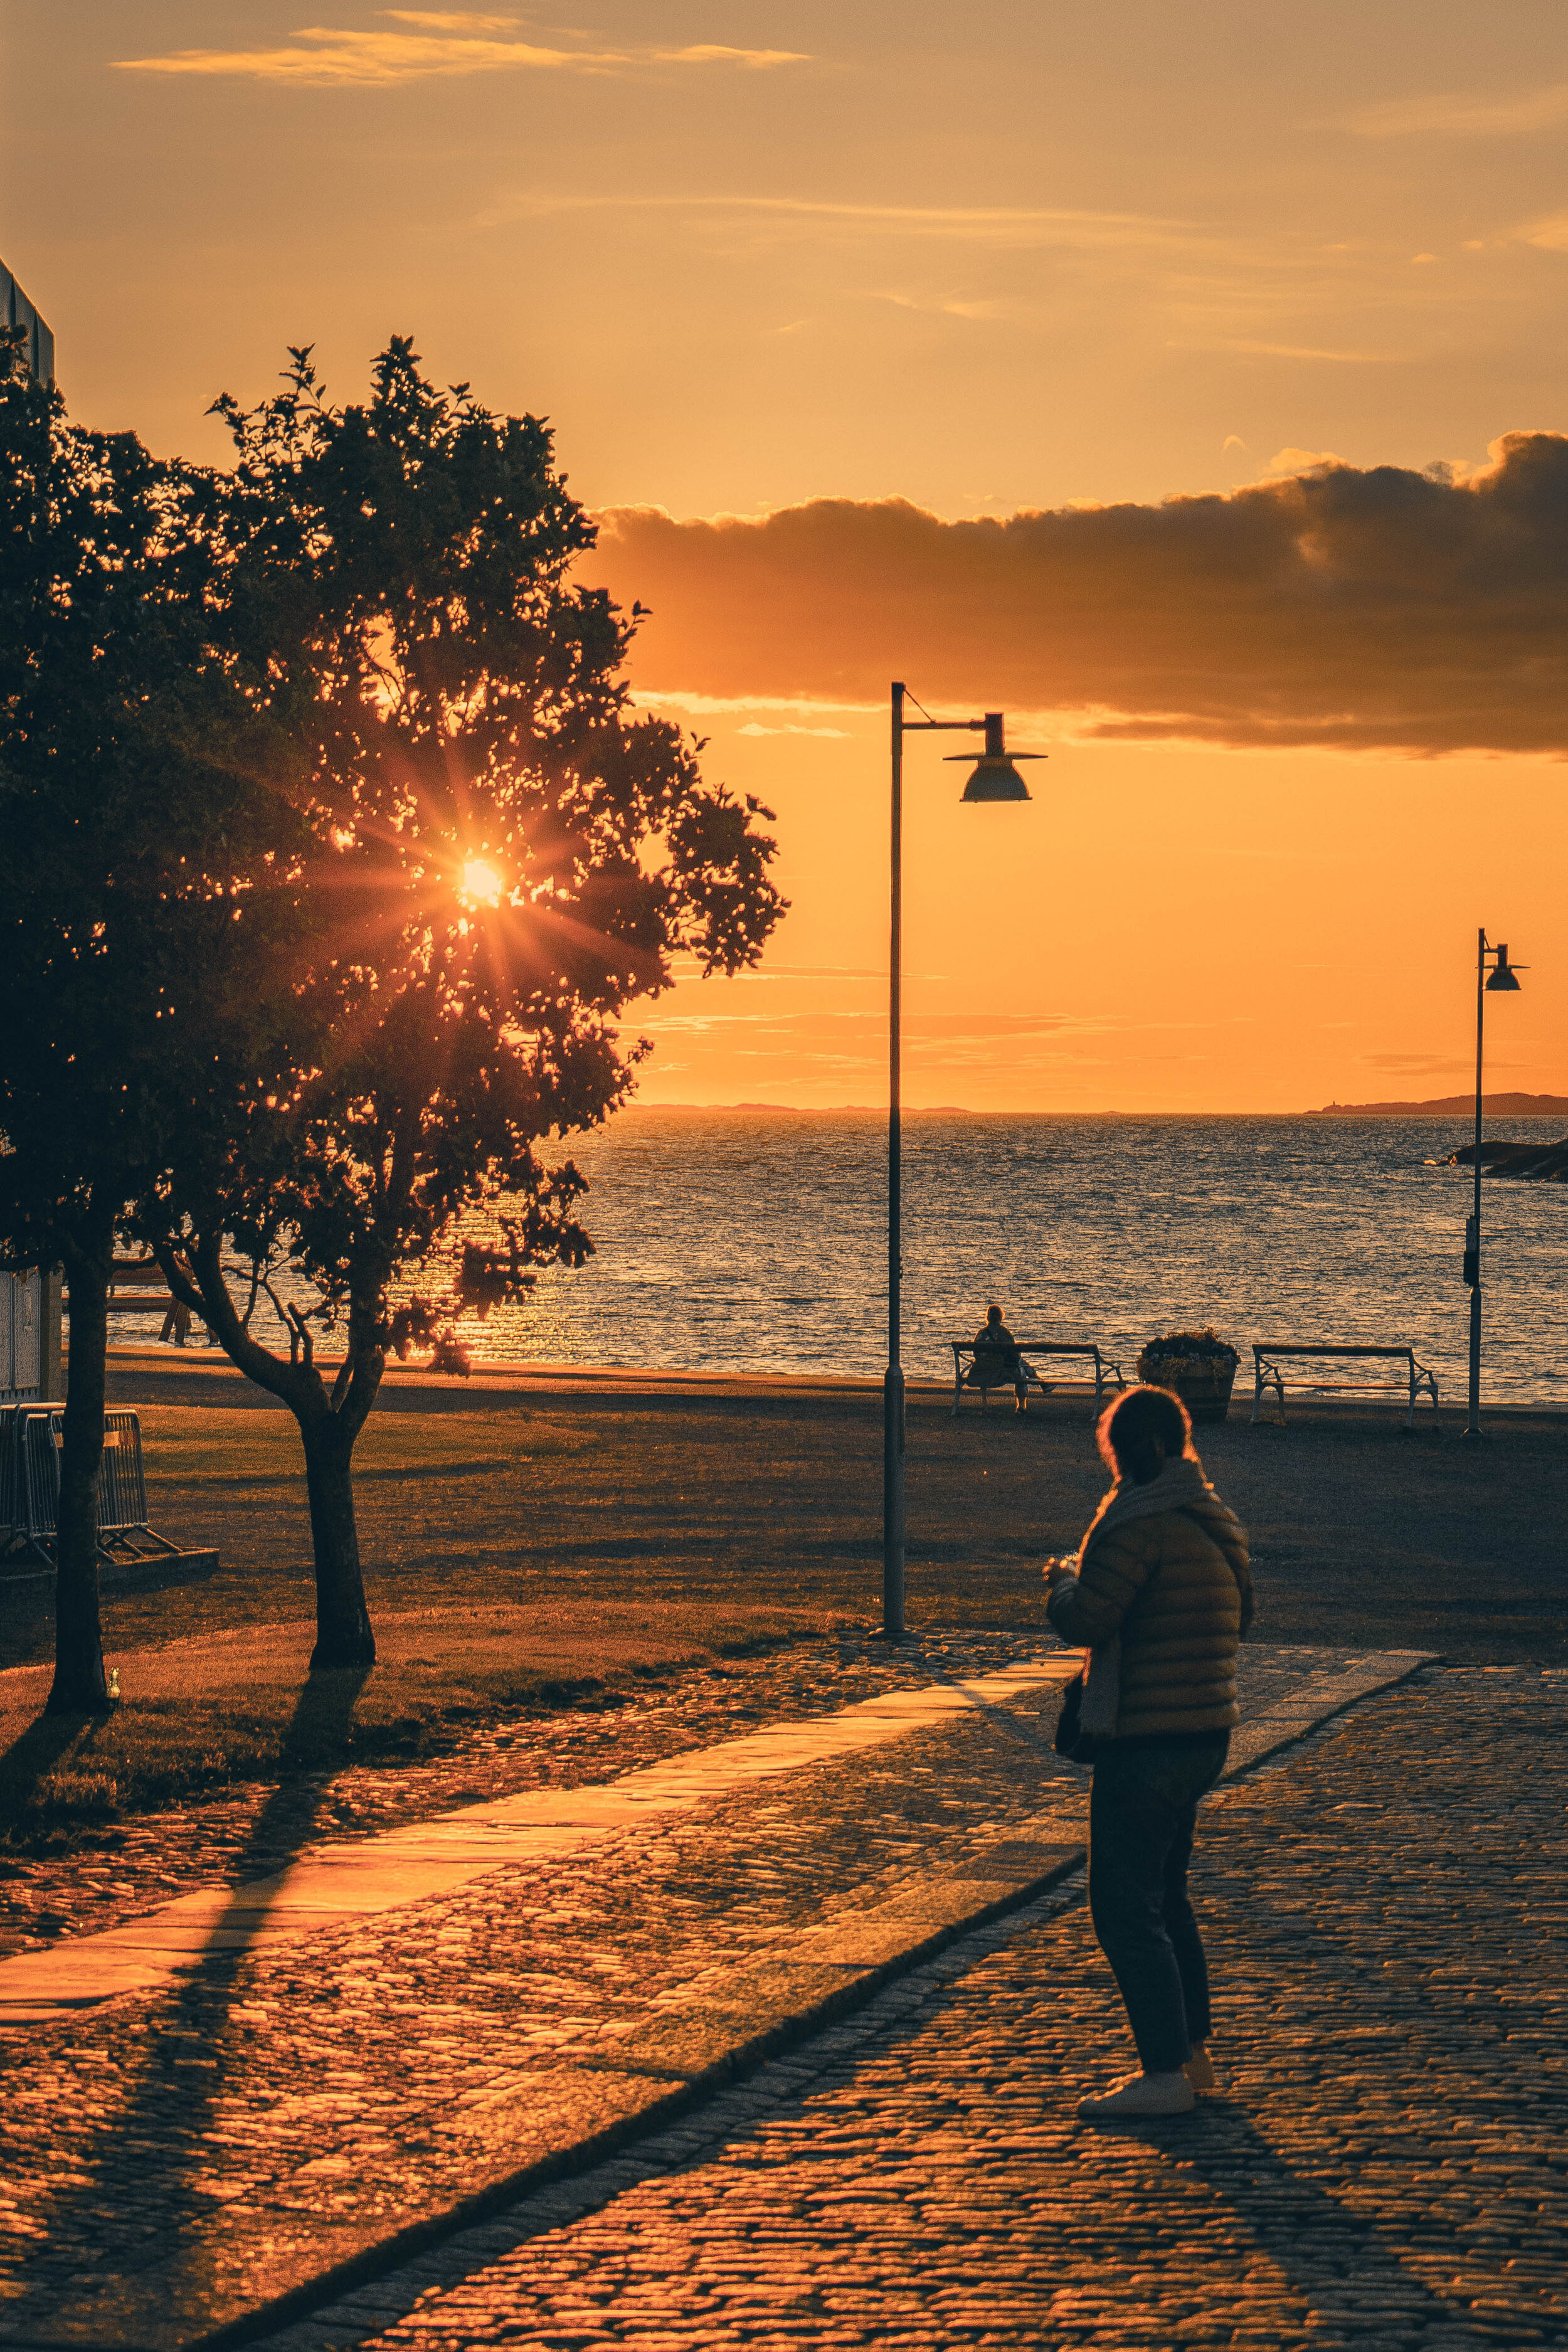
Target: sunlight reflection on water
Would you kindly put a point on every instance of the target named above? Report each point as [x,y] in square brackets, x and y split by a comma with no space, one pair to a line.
[729,1240]
[732,1240]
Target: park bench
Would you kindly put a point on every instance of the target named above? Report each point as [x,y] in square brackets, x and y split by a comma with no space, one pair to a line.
[1106,1374]
[137,1286]
[1268,1354]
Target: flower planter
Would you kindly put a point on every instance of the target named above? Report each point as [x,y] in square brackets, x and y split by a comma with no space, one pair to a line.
[1203,1383]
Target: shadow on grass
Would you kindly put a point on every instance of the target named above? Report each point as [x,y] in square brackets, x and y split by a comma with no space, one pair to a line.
[129,2222]
[32,1760]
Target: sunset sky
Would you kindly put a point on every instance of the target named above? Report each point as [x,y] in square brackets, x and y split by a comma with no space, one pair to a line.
[880,338]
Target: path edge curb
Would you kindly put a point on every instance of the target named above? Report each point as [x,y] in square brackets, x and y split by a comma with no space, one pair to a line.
[741,2058]
[1420,1662]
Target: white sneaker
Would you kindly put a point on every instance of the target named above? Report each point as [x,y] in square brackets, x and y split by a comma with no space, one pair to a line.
[1141,2096]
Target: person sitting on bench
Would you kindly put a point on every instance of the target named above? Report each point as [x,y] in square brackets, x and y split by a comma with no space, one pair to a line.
[997,1363]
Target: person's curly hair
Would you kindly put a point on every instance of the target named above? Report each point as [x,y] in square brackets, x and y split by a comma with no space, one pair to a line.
[1139,1419]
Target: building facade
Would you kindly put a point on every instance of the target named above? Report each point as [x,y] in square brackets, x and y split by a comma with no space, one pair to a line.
[17,311]
[29,1303]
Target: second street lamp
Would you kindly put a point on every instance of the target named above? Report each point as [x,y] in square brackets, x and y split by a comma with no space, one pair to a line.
[995,779]
[1499,982]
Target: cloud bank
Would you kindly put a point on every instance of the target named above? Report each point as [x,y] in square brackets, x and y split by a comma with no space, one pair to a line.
[416,43]
[1465,117]
[1375,610]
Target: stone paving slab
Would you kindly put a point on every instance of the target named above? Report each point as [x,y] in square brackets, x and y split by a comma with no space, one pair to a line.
[437,1858]
[1385,1912]
[127,1866]
[183,2157]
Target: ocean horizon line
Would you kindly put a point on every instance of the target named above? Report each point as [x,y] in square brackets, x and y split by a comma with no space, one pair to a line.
[1494,1106]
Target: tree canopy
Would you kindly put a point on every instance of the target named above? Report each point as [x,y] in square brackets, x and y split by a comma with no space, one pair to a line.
[142,879]
[511,855]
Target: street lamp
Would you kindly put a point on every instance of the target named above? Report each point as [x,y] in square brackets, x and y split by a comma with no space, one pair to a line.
[995,779]
[1499,982]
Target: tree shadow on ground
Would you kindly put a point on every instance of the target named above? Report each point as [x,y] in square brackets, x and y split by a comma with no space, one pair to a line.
[108,2221]
[27,1763]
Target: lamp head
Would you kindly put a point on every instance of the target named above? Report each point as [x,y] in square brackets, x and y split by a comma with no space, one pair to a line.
[1501,980]
[995,778]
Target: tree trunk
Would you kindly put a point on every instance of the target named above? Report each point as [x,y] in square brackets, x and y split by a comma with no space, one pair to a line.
[330,1421]
[79,1686]
[343,1637]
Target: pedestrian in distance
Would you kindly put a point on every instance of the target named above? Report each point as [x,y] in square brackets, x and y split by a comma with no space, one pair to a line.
[1160,1594]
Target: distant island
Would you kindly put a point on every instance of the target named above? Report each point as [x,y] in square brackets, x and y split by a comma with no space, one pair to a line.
[1453,1106]
[1437,1107]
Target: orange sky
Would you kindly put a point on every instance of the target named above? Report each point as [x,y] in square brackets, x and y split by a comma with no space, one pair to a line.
[997,262]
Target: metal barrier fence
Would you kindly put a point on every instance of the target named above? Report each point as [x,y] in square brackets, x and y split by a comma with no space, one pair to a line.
[13,1511]
[30,1439]
[22,1299]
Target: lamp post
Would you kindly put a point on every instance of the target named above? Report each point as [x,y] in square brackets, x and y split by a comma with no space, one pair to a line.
[995,779]
[1499,982]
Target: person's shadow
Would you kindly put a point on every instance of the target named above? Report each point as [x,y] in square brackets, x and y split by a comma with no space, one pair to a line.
[1321,2245]
[92,2229]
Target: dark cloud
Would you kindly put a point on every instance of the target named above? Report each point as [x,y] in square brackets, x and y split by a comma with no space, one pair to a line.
[1384,609]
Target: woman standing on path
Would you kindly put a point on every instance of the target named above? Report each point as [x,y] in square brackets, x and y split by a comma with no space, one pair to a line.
[1160,1594]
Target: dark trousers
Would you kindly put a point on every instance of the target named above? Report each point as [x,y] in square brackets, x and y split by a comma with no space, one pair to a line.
[1142,1814]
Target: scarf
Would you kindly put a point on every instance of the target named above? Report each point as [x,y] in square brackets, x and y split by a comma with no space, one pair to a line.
[1180,1486]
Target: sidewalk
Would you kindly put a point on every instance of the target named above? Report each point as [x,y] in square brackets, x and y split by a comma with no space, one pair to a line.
[251,2096]
[1385,1910]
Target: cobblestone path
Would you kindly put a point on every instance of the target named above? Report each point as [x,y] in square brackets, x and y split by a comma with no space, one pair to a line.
[304,2092]
[1388,1920]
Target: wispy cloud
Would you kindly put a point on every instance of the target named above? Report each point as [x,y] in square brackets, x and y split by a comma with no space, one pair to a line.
[1291,351]
[840,734]
[853,1044]
[981,224]
[1550,235]
[1464,117]
[413,44]
[1415,1065]
[715,706]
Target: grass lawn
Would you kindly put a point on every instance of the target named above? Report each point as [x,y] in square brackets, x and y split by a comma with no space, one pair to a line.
[238,1702]
[524,1546]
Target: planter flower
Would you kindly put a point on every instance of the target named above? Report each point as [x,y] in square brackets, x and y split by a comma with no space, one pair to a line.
[1199,1366]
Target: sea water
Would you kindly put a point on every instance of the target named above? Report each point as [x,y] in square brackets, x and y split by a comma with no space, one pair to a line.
[747,1241]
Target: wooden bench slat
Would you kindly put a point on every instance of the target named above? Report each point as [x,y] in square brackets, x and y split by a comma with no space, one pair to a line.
[1313,1347]
[1029,1347]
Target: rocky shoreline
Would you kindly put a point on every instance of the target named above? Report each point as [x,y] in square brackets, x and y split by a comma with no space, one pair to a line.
[1546,1161]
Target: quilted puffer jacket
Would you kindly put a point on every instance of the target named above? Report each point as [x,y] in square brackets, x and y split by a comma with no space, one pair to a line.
[1177,1588]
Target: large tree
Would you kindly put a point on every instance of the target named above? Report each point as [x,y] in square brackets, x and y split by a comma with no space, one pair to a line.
[517,856]
[140,861]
